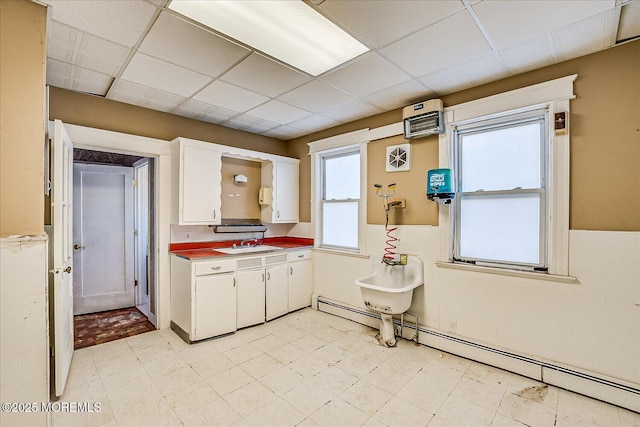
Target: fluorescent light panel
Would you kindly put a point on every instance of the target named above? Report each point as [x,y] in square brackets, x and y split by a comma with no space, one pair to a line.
[288,30]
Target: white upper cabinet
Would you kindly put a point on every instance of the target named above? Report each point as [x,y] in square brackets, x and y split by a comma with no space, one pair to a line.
[197,183]
[282,177]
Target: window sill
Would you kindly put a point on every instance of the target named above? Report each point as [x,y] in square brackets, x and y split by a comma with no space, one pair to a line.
[339,252]
[505,272]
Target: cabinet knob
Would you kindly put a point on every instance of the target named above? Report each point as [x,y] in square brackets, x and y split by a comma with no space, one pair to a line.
[290,271]
[68,269]
[216,268]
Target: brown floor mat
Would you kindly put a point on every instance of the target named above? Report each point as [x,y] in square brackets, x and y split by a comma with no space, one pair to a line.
[98,328]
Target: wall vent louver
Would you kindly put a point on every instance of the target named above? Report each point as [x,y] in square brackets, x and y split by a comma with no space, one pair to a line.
[398,158]
[423,119]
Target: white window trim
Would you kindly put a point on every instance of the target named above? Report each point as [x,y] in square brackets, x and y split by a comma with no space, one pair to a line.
[554,95]
[326,146]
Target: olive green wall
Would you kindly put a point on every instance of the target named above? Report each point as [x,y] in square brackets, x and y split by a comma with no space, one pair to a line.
[605,143]
[22,117]
[97,112]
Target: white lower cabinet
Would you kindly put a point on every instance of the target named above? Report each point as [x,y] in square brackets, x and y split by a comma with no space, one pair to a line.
[214,305]
[251,297]
[203,298]
[300,284]
[277,291]
[214,297]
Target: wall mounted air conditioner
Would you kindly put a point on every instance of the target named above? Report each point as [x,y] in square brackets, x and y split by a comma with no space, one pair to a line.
[423,119]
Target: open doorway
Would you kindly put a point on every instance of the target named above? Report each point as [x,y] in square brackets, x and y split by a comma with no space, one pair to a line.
[114,281]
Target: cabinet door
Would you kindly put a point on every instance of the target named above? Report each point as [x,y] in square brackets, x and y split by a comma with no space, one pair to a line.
[277,291]
[214,306]
[250,297]
[300,284]
[286,192]
[200,186]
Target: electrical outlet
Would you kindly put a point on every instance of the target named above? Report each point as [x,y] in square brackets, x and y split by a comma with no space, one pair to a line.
[187,235]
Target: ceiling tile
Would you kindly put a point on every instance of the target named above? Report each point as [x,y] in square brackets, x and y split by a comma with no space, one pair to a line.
[379,23]
[353,110]
[218,115]
[229,96]
[629,21]
[164,76]
[194,109]
[401,95]
[262,126]
[177,41]
[251,123]
[143,96]
[584,37]
[278,112]
[315,97]
[68,76]
[284,133]
[314,123]
[483,70]
[68,44]
[367,74]
[450,41]
[529,55]
[251,73]
[445,81]
[512,22]
[122,22]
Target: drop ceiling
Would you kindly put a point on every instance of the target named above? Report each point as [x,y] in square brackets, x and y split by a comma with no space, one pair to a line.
[139,52]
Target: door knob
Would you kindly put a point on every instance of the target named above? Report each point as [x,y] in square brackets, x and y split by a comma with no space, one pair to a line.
[78,246]
[68,269]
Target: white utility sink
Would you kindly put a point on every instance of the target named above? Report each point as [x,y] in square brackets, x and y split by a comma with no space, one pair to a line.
[247,249]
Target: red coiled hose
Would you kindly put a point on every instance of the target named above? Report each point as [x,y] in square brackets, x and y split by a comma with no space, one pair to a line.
[390,250]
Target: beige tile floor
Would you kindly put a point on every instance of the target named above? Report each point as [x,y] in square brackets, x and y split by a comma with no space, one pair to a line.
[306,369]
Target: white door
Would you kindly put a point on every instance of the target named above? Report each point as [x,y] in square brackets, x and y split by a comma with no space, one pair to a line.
[103,238]
[300,285]
[201,185]
[61,242]
[250,297]
[277,291]
[141,235]
[214,306]
[286,189]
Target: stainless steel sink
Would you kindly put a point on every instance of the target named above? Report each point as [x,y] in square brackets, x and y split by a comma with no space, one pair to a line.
[247,249]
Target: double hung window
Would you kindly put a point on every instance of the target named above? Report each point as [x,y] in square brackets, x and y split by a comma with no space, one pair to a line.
[501,207]
[340,198]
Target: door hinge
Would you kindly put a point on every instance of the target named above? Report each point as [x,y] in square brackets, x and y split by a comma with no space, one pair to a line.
[135,183]
[135,283]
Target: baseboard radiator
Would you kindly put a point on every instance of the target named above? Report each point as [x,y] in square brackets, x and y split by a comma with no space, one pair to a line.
[610,390]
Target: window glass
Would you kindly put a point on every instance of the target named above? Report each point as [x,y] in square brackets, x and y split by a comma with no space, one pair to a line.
[342,177]
[501,228]
[340,224]
[501,159]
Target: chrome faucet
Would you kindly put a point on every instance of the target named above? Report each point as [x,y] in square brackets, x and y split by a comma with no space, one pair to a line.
[248,242]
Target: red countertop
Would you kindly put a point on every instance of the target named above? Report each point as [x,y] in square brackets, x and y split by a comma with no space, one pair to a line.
[197,250]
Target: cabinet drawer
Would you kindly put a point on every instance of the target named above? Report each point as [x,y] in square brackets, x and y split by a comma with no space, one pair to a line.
[214,267]
[299,255]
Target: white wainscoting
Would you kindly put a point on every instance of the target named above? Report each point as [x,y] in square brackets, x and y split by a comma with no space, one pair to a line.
[590,329]
[24,327]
